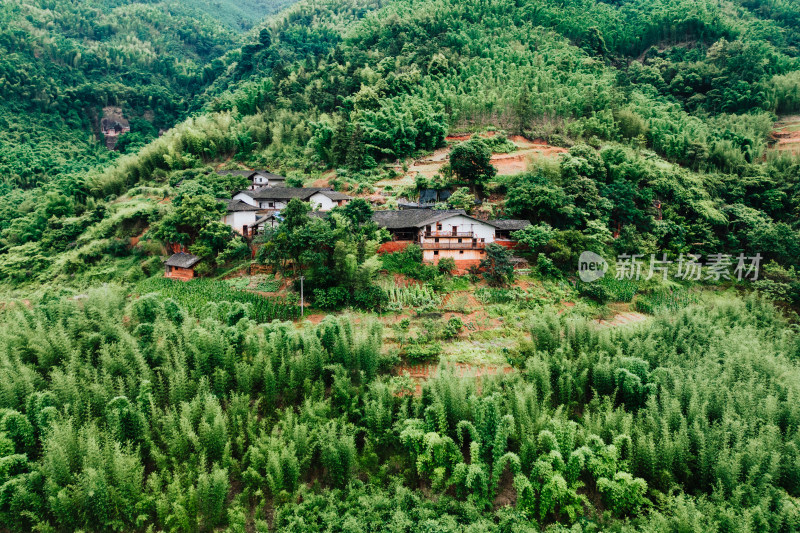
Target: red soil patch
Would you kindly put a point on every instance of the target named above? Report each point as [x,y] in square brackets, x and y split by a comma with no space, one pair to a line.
[377,199]
[516,162]
[506,243]
[393,246]
[403,281]
[785,138]
[135,240]
[424,372]
[523,142]
[458,137]
[512,163]
[314,319]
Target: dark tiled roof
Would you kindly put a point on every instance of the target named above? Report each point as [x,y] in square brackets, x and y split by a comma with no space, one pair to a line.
[250,173]
[238,205]
[269,175]
[276,216]
[287,193]
[412,218]
[335,195]
[509,224]
[182,260]
[281,193]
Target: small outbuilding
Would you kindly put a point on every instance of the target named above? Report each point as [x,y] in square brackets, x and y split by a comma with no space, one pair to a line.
[503,228]
[181,266]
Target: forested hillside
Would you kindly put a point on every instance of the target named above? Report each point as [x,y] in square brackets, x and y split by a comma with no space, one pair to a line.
[672,108]
[409,397]
[61,62]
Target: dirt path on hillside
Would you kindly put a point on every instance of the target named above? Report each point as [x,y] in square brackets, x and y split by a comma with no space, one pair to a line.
[423,372]
[786,134]
[623,319]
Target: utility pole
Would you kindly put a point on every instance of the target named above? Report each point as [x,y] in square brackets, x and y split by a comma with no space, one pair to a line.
[301,296]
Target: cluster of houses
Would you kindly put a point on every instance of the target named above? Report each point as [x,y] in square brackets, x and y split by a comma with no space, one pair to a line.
[253,209]
[439,233]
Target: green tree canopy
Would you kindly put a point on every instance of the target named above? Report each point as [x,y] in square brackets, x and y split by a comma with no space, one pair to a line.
[471,162]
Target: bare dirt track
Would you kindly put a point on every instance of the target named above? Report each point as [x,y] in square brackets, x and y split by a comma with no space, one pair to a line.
[786,135]
[424,372]
[623,319]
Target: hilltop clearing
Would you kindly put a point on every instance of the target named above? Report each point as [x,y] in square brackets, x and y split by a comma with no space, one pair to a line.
[507,164]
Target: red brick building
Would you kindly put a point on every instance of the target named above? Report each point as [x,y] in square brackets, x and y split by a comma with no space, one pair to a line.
[181,266]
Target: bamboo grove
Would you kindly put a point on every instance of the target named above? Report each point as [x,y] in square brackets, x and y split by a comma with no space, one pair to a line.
[179,420]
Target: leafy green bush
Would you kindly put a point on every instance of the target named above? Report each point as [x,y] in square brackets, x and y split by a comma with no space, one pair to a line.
[409,263]
[624,495]
[446,265]
[453,328]
[370,298]
[594,291]
[420,353]
[332,298]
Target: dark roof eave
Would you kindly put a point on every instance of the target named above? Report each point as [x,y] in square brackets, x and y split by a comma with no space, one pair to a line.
[182,260]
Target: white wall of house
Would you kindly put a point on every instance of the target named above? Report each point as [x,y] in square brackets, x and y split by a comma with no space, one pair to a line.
[238,219]
[259,181]
[480,230]
[320,202]
[246,198]
[263,204]
[272,204]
